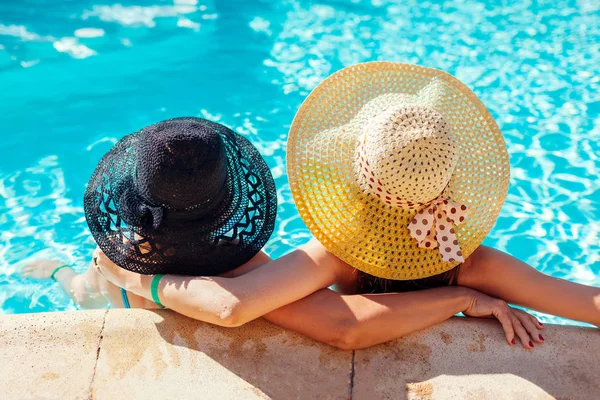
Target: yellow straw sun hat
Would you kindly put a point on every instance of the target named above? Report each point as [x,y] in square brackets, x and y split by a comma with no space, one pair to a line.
[397,169]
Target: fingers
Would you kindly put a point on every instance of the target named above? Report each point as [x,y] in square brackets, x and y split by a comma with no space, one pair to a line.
[101,256]
[98,257]
[521,332]
[507,325]
[104,266]
[518,325]
[530,324]
[96,252]
[96,260]
[523,314]
[535,321]
[29,268]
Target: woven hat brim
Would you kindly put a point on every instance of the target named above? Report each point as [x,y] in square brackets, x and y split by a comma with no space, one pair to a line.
[358,227]
[217,243]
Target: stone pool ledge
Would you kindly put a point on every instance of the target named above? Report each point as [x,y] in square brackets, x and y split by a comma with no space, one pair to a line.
[139,354]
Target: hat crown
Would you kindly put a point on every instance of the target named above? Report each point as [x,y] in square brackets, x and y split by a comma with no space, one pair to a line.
[181,163]
[411,151]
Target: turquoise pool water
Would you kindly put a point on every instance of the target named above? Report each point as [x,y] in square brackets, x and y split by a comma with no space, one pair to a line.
[77,75]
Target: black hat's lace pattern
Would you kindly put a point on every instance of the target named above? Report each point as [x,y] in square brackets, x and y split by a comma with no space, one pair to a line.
[228,226]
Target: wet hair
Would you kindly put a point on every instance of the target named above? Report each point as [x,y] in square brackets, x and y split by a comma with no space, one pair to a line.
[372,284]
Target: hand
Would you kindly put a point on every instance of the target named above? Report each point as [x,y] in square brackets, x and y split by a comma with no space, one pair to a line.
[121,277]
[41,269]
[526,326]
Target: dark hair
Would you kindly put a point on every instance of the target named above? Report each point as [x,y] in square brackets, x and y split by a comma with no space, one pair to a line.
[372,284]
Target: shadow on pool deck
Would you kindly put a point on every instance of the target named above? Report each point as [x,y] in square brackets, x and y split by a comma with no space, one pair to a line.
[144,354]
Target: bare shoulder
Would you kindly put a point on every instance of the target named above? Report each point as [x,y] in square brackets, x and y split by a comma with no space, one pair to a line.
[314,248]
[346,274]
[478,263]
[482,254]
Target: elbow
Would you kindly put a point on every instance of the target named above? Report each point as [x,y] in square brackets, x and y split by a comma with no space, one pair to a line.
[233,315]
[346,336]
[230,320]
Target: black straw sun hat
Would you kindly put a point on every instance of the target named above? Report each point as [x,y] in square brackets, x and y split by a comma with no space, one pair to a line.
[184,196]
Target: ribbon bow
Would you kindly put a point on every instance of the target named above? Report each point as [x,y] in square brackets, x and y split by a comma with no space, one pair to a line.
[432,228]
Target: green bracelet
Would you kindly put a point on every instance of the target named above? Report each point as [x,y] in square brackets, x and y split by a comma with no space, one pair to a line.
[154,289]
[58,269]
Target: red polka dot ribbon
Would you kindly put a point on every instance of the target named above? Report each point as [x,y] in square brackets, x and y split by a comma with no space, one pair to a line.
[432,227]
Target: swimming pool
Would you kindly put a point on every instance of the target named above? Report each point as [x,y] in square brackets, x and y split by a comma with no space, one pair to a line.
[77,75]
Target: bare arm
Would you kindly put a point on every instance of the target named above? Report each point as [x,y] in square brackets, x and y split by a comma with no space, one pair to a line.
[233,301]
[82,288]
[358,321]
[500,275]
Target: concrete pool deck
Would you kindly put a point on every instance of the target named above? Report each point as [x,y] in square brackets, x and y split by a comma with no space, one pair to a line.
[133,354]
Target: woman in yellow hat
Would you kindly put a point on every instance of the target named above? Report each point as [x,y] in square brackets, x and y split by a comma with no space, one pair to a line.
[400,172]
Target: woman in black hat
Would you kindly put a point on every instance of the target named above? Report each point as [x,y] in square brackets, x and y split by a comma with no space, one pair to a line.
[184,196]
